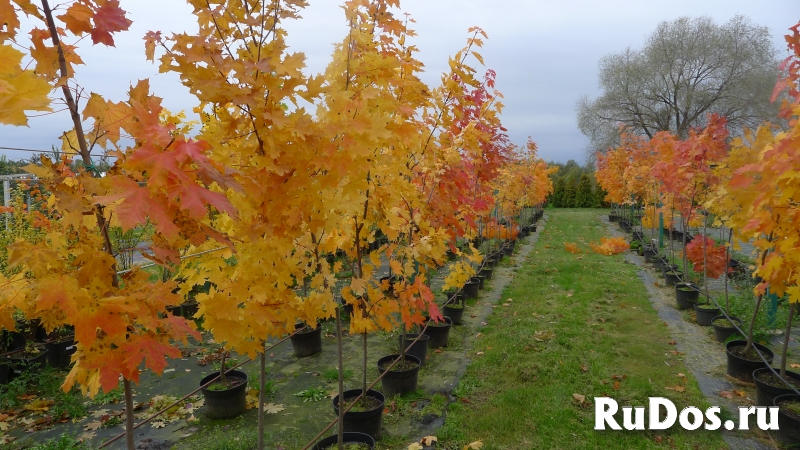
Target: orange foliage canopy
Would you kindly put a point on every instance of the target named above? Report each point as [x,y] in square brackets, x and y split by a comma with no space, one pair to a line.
[715,260]
[611,246]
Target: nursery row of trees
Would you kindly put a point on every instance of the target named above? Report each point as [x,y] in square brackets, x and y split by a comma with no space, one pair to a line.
[279,187]
[747,184]
[575,187]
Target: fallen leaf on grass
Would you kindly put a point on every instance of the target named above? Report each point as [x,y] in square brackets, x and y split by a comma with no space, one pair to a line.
[794,366]
[477,445]
[479,353]
[415,446]
[272,408]
[158,424]
[40,405]
[740,393]
[429,440]
[676,353]
[680,375]
[676,388]
[672,342]
[581,399]
[584,368]
[437,351]
[616,385]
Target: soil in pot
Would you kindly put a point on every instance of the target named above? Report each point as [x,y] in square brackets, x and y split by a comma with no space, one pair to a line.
[487,273]
[723,329]
[352,441]
[402,378]
[307,341]
[705,313]
[769,386]
[740,365]
[439,332]
[225,400]
[362,418]
[673,277]
[418,349]
[788,419]
[455,311]
[668,268]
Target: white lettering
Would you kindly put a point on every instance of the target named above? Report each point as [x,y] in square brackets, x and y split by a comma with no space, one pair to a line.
[638,424]
[672,413]
[684,418]
[761,418]
[603,415]
[744,415]
[713,419]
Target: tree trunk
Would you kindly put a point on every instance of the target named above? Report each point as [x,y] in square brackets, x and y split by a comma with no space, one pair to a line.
[129,431]
[261,386]
[786,340]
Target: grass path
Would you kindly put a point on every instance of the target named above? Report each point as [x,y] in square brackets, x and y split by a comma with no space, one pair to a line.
[574,324]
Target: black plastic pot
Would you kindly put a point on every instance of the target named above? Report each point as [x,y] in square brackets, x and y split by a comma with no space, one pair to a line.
[742,369]
[228,403]
[401,381]
[721,334]
[673,277]
[481,281]
[11,340]
[665,267]
[455,312]
[350,437]
[16,366]
[508,249]
[439,334]
[418,349]
[637,235]
[612,217]
[766,393]
[686,295]
[487,273]
[59,352]
[471,288]
[533,228]
[189,309]
[705,316]
[308,342]
[648,254]
[788,426]
[367,422]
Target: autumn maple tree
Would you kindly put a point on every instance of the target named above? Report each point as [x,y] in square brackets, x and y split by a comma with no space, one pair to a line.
[70,277]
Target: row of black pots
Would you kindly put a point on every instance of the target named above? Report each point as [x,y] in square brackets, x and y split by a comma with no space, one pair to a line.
[186,309]
[56,353]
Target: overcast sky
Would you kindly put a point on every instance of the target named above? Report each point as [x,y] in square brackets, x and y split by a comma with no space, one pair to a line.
[545,53]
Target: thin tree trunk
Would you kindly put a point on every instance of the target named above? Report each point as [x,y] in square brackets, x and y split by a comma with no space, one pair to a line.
[340,424]
[786,340]
[129,431]
[261,387]
[727,259]
[752,325]
[364,378]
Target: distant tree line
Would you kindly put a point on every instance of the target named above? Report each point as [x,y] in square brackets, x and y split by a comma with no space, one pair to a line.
[574,186]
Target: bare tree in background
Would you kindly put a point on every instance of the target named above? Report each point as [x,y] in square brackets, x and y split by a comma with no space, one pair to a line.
[687,69]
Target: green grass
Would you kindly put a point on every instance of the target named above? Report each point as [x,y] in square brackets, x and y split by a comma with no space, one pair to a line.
[576,326]
[331,374]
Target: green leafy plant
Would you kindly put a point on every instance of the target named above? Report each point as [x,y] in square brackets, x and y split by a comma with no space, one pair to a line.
[312,394]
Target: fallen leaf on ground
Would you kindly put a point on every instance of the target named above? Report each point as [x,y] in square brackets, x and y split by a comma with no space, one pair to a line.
[740,393]
[414,446]
[726,394]
[676,388]
[584,368]
[672,342]
[91,426]
[477,445]
[87,436]
[794,366]
[581,399]
[429,440]
[616,385]
[272,408]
